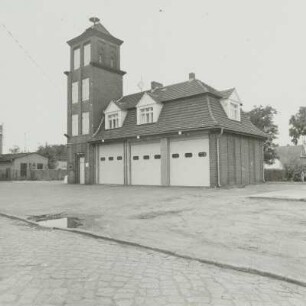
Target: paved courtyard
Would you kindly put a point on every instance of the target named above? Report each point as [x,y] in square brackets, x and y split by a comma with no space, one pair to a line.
[225,226]
[46,267]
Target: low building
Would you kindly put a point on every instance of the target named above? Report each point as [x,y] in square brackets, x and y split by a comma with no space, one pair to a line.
[18,166]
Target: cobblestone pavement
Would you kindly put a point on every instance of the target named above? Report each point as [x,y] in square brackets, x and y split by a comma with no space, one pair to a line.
[41,266]
[221,225]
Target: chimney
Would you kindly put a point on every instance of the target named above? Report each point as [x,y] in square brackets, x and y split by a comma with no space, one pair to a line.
[1,139]
[191,76]
[155,85]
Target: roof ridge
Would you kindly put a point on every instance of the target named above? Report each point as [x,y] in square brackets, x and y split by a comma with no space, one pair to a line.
[209,88]
[149,90]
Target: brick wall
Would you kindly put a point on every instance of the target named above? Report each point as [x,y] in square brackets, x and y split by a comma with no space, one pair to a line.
[105,85]
[241,160]
[213,160]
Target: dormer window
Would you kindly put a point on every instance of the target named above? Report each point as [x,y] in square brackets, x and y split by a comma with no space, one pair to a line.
[114,116]
[231,104]
[146,115]
[148,109]
[234,111]
[113,121]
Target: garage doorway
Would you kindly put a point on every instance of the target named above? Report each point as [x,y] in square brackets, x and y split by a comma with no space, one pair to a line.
[145,163]
[189,162]
[111,164]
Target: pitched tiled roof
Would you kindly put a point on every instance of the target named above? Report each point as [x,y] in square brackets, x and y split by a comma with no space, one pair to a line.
[226,93]
[244,126]
[169,93]
[99,27]
[197,111]
[175,115]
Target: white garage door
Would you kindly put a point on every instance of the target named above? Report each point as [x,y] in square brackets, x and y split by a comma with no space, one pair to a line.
[111,164]
[189,162]
[145,164]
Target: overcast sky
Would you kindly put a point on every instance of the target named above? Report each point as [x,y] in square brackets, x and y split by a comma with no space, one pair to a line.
[258,47]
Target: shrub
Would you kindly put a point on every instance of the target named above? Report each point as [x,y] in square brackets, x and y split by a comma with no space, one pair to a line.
[275,175]
[295,171]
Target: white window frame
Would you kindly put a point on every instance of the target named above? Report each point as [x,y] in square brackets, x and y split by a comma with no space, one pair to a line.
[85,89]
[76,58]
[87,54]
[113,121]
[75,92]
[75,125]
[85,123]
[234,111]
[146,115]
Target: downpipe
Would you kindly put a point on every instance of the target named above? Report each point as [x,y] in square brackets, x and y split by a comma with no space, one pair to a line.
[218,157]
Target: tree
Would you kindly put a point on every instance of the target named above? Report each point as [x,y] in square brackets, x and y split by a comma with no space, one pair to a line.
[53,153]
[14,150]
[263,118]
[298,125]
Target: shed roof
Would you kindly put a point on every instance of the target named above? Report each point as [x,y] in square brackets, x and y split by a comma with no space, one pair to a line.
[11,157]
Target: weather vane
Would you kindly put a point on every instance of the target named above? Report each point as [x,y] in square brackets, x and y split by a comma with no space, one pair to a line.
[140,85]
[94,20]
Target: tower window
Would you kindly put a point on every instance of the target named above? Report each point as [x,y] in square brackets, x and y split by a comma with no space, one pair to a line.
[75,125]
[85,89]
[76,58]
[85,123]
[100,59]
[75,92]
[113,121]
[146,115]
[112,62]
[87,51]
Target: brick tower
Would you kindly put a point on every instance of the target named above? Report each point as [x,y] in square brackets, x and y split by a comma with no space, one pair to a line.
[94,79]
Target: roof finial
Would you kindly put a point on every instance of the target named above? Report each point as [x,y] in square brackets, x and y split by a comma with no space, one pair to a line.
[94,20]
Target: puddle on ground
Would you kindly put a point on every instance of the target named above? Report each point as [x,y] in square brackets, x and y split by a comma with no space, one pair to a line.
[57,221]
[68,222]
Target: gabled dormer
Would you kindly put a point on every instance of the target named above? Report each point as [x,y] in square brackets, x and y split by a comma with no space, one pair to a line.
[148,109]
[231,104]
[114,116]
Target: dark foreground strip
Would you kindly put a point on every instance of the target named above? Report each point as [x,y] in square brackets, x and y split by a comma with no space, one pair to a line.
[277,199]
[171,253]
